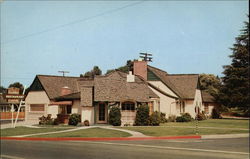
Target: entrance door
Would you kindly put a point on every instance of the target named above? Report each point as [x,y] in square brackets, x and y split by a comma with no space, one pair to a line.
[102,115]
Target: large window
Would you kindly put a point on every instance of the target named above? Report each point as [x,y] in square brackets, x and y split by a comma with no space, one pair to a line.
[37,107]
[65,109]
[128,106]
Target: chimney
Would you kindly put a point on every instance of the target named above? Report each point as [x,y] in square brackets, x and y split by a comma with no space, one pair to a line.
[130,77]
[65,90]
[87,91]
[140,68]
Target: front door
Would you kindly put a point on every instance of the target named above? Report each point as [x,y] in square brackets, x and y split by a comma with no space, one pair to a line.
[102,113]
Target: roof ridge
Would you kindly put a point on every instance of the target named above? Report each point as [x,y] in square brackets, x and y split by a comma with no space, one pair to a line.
[157,69]
[58,76]
[182,74]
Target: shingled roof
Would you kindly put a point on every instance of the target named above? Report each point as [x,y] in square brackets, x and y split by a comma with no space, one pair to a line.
[206,97]
[114,87]
[53,84]
[183,85]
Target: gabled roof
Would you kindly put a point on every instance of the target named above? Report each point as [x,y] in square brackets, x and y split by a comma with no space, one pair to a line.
[52,85]
[206,97]
[114,87]
[183,85]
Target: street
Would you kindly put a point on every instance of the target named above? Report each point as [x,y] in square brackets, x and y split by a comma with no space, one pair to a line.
[171,149]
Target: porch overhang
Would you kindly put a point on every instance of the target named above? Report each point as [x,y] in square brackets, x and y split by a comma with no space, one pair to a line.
[61,103]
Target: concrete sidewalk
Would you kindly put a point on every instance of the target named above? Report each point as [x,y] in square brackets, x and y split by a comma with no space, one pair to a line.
[133,133]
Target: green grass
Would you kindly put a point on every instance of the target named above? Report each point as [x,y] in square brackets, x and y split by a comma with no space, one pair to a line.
[92,132]
[25,131]
[177,131]
[221,123]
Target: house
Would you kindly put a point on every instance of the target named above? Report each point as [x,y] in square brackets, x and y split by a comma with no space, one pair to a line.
[92,98]
[209,103]
[179,93]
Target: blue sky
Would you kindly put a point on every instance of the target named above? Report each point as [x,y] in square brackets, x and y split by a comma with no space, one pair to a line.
[43,37]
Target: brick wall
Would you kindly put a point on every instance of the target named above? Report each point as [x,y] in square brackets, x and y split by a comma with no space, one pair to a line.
[140,68]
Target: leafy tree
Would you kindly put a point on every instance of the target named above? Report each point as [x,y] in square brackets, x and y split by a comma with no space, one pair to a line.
[210,83]
[126,68]
[17,85]
[95,71]
[235,90]
[3,90]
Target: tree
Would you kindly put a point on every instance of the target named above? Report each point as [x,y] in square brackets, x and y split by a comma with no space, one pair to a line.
[210,83]
[17,85]
[115,116]
[126,68]
[234,92]
[95,71]
[142,115]
[3,90]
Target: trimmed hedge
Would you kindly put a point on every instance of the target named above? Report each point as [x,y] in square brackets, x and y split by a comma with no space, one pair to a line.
[115,116]
[186,117]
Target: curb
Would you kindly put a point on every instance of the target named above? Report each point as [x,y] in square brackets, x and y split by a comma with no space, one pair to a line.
[99,138]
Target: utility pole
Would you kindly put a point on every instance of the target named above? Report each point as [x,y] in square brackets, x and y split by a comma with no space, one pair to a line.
[63,72]
[146,57]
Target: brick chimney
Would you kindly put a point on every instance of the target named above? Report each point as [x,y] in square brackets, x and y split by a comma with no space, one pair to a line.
[65,90]
[140,68]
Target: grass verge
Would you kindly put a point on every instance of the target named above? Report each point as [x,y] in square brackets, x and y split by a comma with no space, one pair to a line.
[221,123]
[91,132]
[25,131]
[176,131]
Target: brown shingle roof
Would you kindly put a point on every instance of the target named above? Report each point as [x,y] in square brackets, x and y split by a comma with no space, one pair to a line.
[183,85]
[206,97]
[114,87]
[54,84]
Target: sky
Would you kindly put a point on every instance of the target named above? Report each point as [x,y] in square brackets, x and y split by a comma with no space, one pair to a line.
[44,37]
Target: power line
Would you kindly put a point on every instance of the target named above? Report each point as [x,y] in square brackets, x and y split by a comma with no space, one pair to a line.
[73,22]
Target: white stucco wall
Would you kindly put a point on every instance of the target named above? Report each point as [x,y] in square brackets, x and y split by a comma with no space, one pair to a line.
[167,104]
[191,104]
[76,108]
[53,110]
[87,114]
[36,97]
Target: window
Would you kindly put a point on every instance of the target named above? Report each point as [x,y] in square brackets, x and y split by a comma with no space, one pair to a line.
[206,108]
[37,107]
[128,106]
[63,109]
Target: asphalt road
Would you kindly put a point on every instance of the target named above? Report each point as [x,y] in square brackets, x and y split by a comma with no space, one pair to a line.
[147,149]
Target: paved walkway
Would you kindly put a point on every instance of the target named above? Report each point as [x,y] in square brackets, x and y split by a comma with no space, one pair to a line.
[133,133]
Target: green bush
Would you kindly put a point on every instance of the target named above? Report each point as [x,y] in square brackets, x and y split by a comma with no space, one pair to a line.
[171,118]
[186,117]
[201,116]
[74,119]
[163,118]
[142,115]
[86,123]
[115,116]
[48,120]
[215,114]
[155,119]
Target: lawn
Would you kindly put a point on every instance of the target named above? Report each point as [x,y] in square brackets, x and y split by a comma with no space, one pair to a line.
[221,123]
[177,131]
[25,130]
[232,126]
[92,132]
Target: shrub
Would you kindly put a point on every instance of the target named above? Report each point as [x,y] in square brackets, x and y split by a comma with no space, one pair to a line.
[74,119]
[215,114]
[172,118]
[86,123]
[163,118]
[155,119]
[142,115]
[186,117]
[201,116]
[115,116]
[46,120]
